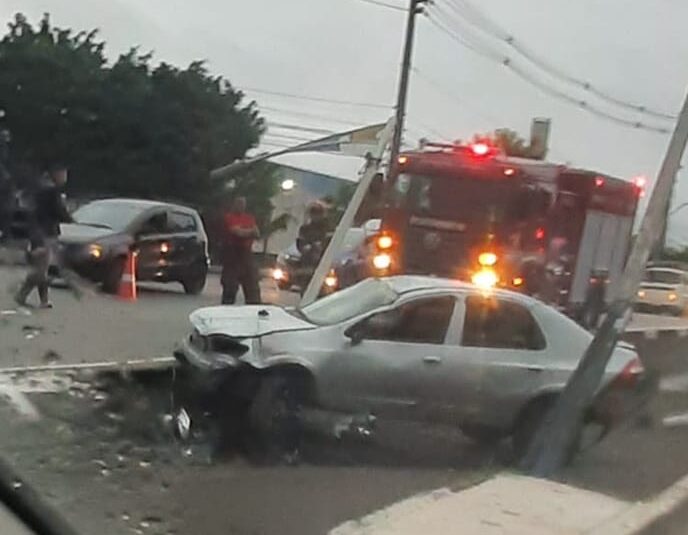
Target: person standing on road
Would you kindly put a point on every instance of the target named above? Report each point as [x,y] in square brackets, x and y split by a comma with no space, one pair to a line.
[238,266]
[48,212]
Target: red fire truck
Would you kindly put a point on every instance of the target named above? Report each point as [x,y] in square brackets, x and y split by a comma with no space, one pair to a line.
[471,213]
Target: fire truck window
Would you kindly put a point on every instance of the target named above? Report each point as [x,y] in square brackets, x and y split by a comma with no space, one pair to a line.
[500,324]
[424,321]
[401,189]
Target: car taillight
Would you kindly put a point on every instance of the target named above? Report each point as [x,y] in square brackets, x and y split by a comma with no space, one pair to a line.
[631,373]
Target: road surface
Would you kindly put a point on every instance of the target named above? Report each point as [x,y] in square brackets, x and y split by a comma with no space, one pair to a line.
[101,450]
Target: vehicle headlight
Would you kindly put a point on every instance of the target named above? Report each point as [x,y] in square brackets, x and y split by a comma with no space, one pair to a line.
[673,297]
[485,279]
[382,261]
[641,293]
[95,251]
[331,280]
[278,274]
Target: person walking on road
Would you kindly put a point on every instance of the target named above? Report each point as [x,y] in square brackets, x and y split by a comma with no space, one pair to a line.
[238,266]
[48,212]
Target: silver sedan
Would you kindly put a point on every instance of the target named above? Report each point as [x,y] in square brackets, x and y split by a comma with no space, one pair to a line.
[405,347]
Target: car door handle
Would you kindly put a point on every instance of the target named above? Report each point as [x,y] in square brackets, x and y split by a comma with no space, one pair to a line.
[430,359]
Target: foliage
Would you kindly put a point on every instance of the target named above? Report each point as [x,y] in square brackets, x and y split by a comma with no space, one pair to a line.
[127,128]
[508,140]
[675,255]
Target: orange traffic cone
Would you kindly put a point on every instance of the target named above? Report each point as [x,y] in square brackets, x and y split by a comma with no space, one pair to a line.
[127,284]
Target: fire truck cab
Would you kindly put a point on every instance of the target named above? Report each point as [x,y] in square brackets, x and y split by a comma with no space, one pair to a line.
[471,213]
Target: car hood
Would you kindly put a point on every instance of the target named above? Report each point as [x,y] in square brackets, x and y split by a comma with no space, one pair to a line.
[249,321]
[76,233]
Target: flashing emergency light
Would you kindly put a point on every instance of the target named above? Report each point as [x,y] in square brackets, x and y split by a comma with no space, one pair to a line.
[539,233]
[517,281]
[487,259]
[164,247]
[331,279]
[485,279]
[402,160]
[599,181]
[640,182]
[278,274]
[480,148]
[385,241]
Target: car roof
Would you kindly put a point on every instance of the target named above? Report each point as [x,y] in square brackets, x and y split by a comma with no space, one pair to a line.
[144,204]
[411,283]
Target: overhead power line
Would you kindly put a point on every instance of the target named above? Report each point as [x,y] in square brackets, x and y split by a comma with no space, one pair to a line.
[384,4]
[480,20]
[317,116]
[287,136]
[488,53]
[300,128]
[319,99]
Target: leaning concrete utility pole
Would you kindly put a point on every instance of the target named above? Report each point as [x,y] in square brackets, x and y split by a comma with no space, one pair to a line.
[548,451]
[415,8]
[373,162]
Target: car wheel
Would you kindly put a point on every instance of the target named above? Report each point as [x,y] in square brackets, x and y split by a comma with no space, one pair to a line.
[530,422]
[113,275]
[195,279]
[273,418]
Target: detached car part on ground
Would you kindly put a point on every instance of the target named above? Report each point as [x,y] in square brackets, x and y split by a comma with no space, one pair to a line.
[410,348]
[170,242]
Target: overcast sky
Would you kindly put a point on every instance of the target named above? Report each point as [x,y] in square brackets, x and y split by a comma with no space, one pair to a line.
[349,50]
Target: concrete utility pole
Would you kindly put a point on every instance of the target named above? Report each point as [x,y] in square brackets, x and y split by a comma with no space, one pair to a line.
[548,451]
[415,8]
[335,245]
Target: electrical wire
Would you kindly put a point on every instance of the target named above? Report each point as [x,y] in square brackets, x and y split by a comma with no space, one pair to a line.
[543,86]
[299,128]
[286,136]
[478,19]
[318,99]
[313,116]
[385,4]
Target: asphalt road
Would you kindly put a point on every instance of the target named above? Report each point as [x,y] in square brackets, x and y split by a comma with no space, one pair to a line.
[100,448]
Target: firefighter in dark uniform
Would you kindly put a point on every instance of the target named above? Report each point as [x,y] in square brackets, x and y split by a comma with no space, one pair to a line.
[238,266]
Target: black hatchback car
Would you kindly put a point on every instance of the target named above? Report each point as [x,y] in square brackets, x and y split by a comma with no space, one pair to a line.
[170,241]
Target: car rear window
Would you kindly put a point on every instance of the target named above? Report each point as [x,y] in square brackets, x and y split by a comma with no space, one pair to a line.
[496,323]
[182,222]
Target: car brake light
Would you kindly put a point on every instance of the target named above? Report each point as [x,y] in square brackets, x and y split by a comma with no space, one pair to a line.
[539,233]
[385,242]
[631,373]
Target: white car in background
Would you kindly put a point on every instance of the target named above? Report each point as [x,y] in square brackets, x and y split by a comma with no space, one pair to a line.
[663,289]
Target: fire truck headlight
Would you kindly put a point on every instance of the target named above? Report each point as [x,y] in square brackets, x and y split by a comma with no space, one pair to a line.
[382,261]
[278,274]
[485,279]
[518,281]
[487,259]
[385,242]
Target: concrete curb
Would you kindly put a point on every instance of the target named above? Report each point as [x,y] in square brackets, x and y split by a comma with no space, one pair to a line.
[641,515]
[124,366]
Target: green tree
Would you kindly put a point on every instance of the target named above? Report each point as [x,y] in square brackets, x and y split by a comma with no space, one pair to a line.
[126,129]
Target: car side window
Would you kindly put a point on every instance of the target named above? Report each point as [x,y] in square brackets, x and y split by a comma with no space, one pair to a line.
[182,222]
[423,321]
[155,224]
[494,323]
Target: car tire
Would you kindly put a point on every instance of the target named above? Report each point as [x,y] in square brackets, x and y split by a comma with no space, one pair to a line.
[194,281]
[273,418]
[113,275]
[530,422]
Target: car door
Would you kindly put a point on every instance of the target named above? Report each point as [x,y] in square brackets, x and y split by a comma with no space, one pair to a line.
[499,361]
[184,246]
[394,352]
[153,244]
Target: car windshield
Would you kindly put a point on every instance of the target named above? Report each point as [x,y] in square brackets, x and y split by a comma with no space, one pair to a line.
[112,215]
[662,276]
[350,303]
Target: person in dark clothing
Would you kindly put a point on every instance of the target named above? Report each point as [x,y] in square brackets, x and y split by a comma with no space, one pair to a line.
[238,266]
[6,187]
[48,212]
[313,235]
